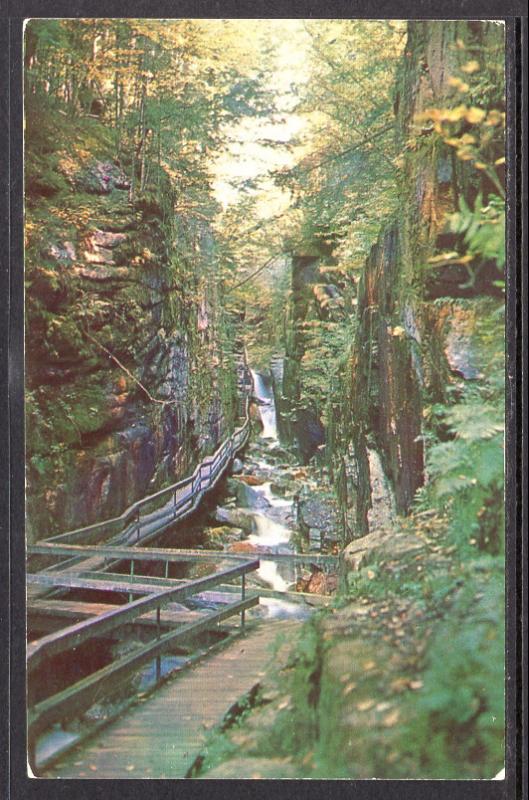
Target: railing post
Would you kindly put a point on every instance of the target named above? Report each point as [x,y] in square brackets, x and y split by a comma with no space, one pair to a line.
[174,503]
[158,657]
[138,524]
[243,596]
[131,597]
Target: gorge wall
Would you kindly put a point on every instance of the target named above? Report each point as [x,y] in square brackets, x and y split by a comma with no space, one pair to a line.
[407,328]
[129,371]
[415,340]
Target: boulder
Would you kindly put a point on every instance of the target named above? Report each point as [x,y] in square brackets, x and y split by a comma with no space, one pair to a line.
[108,239]
[247,547]
[247,497]
[101,177]
[318,512]
[317,582]
[237,466]
[309,434]
[382,541]
[223,533]
[251,480]
[235,517]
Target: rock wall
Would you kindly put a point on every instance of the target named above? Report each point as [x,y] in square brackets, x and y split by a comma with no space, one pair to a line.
[413,339]
[311,300]
[128,383]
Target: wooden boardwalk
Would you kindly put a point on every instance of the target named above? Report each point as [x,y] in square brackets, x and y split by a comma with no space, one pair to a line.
[161,737]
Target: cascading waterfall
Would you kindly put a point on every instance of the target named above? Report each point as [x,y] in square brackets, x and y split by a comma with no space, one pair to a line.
[267,408]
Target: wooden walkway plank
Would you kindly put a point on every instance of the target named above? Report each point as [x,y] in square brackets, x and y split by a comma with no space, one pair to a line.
[161,737]
[57,609]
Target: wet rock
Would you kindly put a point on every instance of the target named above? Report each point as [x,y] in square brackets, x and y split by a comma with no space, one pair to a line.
[101,177]
[255,415]
[317,582]
[104,273]
[314,539]
[108,239]
[460,348]
[382,512]
[279,487]
[236,517]
[247,496]
[62,252]
[222,534]
[251,480]
[99,255]
[318,512]
[237,466]
[309,434]
[382,541]
[114,446]
[247,547]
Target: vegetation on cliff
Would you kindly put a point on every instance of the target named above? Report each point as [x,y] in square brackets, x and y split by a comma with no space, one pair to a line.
[130,348]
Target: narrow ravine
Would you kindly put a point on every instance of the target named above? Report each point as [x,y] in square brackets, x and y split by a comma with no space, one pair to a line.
[265,303]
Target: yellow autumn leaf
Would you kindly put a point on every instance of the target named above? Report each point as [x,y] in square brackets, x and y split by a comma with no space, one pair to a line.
[454,114]
[458,84]
[397,331]
[391,719]
[470,67]
[443,257]
[494,117]
[365,705]
[480,165]
[475,115]
[500,161]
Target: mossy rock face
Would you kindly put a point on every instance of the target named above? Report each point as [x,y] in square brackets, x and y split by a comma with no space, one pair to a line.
[123,392]
[99,177]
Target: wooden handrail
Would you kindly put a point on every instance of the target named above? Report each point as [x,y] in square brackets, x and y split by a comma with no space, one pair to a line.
[75,635]
[72,700]
[69,702]
[130,519]
[186,494]
[167,554]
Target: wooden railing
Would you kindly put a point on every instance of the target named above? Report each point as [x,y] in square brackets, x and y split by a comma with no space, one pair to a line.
[73,700]
[152,514]
[140,522]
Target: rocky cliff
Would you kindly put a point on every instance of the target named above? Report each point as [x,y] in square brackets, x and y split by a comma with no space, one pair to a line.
[314,300]
[128,376]
[415,333]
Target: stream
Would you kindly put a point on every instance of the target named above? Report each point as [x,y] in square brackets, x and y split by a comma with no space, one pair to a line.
[263,490]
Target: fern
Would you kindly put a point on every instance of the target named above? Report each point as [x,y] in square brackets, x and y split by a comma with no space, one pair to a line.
[483,228]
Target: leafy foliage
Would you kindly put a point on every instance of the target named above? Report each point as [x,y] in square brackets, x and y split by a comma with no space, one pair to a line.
[458,718]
